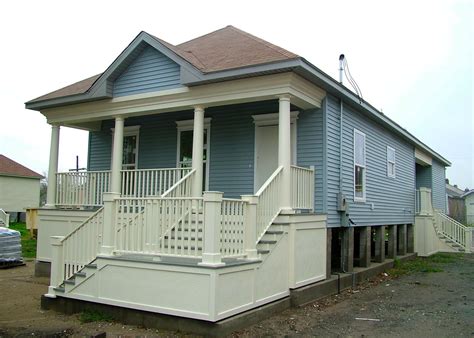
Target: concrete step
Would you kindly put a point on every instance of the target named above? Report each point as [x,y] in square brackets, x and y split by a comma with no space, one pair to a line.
[60,289]
[264,241]
[263,252]
[70,281]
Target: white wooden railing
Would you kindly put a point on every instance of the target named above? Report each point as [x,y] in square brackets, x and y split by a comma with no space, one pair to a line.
[269,205]
[81,188]
[150,182]
[302,188]
[4,218]
[161,226]
[183,187]
[453,230]
[232,227]
[81,246]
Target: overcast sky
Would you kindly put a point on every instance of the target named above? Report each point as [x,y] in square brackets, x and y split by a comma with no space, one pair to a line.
[412,59]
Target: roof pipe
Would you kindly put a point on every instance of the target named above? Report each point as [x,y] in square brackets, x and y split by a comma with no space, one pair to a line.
[341,68]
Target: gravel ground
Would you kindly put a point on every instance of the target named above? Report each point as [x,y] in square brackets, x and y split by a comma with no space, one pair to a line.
[437,304]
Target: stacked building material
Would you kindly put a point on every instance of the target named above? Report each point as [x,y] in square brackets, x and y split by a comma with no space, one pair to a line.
[10,247]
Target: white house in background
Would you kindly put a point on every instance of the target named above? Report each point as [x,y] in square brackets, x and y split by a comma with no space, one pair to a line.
[469,204]
[19,186]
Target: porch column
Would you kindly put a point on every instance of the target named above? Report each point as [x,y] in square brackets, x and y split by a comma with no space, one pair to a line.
[117,154]
[53,167]
[284,150]
[198,145]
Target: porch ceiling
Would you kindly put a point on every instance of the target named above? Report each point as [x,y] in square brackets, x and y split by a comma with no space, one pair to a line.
[87,115]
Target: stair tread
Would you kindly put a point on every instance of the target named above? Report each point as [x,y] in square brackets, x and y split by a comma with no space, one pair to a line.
[91,266]
[59,288]
[80,274]
[274,232]
[265,241]
[71,281]
[261,251]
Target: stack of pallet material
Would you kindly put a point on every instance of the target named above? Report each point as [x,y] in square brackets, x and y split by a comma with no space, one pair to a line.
[10,248]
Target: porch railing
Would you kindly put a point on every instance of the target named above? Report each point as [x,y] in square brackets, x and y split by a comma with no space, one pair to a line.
[302,191]
[423,205]
[269,205]
[82,188]
[150,182]
[182,187]
[453,230]
[232,227]
[4,218]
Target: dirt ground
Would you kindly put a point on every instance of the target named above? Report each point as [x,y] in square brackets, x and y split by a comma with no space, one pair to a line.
[437,304]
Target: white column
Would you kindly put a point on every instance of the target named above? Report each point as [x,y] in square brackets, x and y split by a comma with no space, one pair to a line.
[53,167]
[250,226]
[284,150]
[211,253]
[117,154]
[198,145]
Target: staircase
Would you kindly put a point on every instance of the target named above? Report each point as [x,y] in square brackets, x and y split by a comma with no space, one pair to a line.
[456,235]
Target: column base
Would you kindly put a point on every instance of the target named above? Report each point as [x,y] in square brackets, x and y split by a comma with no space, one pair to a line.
[107,250]
[51,293]
[287,211]
[252,254]
[211,259]
[49,206]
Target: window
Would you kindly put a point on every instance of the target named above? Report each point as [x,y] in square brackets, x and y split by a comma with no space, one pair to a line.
[390,162]
[130,147]
[185,147]
[359,166]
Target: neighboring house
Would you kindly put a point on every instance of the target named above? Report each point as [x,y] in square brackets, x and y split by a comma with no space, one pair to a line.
[468,197]
[19,187]
[287,176]
[455,207]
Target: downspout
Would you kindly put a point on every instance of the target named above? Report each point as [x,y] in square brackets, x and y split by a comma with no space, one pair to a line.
[341,108]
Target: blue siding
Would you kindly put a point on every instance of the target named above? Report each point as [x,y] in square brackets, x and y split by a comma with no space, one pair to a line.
[393,198]
[438,188]
[150,71]
[310,148]
[423,176]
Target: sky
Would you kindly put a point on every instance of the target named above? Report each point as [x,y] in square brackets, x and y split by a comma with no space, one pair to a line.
[412,59]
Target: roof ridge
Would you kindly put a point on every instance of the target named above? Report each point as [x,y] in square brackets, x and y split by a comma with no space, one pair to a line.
[199,37]
[276,48]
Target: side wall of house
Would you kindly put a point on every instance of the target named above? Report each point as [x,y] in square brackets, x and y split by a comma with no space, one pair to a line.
[423,176]
[388,200]
[438,186]
[17,193]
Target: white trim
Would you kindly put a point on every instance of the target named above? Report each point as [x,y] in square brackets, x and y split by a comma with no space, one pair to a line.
[394,163]
[186,125]
[271,119]
[364,166]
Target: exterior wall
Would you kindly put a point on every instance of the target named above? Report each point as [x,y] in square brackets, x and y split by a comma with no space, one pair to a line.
[231,146]
[388,200]
[150,71]
[438,186]
[469,202]
[310,151]
[18,193]
[423,176]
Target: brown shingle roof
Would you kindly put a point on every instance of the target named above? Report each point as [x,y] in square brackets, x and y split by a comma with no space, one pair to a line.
[12,168]
[223,49]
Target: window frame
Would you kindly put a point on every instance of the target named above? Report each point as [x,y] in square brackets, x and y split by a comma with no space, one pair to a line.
[389,162]
[129,131]
[364,167]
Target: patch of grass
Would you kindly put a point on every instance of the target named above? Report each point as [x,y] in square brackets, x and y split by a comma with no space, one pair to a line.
[418,265]
[28,242]
[89,316]
[444,258]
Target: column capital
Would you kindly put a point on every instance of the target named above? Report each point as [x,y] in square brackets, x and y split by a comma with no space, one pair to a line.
[199,108]
[119,118]
[284,97]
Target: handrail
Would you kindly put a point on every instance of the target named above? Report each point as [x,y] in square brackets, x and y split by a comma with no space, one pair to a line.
[453,230]
[182,181]
[82,224]
[302,187]
[150,182]
[5,218]
[268,181]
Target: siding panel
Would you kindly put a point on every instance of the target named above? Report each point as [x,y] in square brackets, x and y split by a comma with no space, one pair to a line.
[150,71]
[393,199]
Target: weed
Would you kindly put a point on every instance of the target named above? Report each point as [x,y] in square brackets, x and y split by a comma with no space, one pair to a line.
[444,258]
[88,316]
[28,242]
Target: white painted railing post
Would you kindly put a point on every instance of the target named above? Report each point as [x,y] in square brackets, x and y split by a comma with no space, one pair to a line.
[57,265]
[108,236]
[425,201]
[53,167]
[250,226]
[211,255]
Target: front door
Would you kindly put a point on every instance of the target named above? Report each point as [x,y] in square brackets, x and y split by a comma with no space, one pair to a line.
[266,152]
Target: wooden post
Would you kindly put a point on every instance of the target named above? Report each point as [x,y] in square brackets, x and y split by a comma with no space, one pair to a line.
[57,265]
[392,242]
[211,255]
[250,226]
[108,238]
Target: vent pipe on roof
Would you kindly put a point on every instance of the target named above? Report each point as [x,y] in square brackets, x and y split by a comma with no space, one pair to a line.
[341,67]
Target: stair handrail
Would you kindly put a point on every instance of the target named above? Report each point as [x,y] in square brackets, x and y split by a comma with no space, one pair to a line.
[5,217]
[269,206]
[173,190]
[453,230]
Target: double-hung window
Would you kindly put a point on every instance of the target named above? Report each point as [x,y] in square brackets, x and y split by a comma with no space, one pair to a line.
[390,162]
[359,166]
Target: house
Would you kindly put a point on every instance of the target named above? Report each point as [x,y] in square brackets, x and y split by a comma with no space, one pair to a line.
[468,198]
[19,187]
[223,173]
[455,203]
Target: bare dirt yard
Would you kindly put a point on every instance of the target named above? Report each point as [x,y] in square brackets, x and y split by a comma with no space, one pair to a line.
[425,298]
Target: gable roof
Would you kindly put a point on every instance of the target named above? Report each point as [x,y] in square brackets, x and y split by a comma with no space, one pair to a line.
[467,193]
[8,167]
[222,55]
